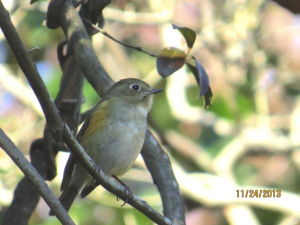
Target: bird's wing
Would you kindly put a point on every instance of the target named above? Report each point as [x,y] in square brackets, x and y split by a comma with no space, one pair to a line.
[96,120]
[95,116]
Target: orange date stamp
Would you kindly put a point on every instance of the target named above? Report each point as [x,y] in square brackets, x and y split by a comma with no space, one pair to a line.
[263,193]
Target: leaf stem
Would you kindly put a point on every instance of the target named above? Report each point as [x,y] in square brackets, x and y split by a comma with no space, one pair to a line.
[138,48]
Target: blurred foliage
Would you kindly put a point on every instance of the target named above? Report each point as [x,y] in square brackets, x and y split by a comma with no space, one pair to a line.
[249,137]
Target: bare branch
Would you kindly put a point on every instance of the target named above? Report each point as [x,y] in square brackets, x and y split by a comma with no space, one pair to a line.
[158,163]
[35,178]
[84,53]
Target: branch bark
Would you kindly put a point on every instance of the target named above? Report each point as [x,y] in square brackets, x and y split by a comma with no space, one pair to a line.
[35,178]
[159,165]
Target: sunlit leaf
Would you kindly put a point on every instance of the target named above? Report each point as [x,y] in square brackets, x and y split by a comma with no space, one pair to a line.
[170,60]
[188,34]
[202,79]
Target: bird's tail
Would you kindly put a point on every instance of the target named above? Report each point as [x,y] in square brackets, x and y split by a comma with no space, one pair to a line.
[67,198]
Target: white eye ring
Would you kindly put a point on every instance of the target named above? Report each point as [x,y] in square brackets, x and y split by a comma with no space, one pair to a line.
[135,87]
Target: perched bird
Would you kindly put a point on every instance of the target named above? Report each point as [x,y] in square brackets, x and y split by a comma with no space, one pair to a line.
[113,136]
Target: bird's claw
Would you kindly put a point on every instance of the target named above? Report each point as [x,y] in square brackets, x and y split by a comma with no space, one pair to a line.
[129,196]
[129,193]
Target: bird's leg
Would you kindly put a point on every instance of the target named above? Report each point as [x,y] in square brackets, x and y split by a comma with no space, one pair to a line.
[95,183]
[130,195]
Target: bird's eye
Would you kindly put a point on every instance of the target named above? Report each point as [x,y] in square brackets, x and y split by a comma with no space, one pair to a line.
[135,87]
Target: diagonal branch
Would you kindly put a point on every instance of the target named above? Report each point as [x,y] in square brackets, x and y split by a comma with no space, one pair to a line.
[8,146]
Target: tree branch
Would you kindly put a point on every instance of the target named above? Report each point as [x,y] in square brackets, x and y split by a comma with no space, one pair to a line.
[158,163]
[35,178]
[80,43]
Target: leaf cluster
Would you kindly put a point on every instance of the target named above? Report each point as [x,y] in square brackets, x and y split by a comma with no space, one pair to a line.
[171,59]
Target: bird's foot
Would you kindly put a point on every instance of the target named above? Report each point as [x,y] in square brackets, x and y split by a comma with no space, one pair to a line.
[129,192]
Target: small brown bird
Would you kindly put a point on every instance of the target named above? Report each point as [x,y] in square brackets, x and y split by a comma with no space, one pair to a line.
[112,136]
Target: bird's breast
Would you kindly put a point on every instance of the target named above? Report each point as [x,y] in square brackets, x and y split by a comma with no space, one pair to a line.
[115,142]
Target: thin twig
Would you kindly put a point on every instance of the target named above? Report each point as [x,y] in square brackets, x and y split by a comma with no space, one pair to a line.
[138,48]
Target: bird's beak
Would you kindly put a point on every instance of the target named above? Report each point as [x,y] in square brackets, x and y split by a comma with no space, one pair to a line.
[155,91]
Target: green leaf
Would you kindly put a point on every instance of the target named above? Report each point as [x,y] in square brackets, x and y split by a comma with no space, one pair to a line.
[202,79]
[169,60]
[188,34]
